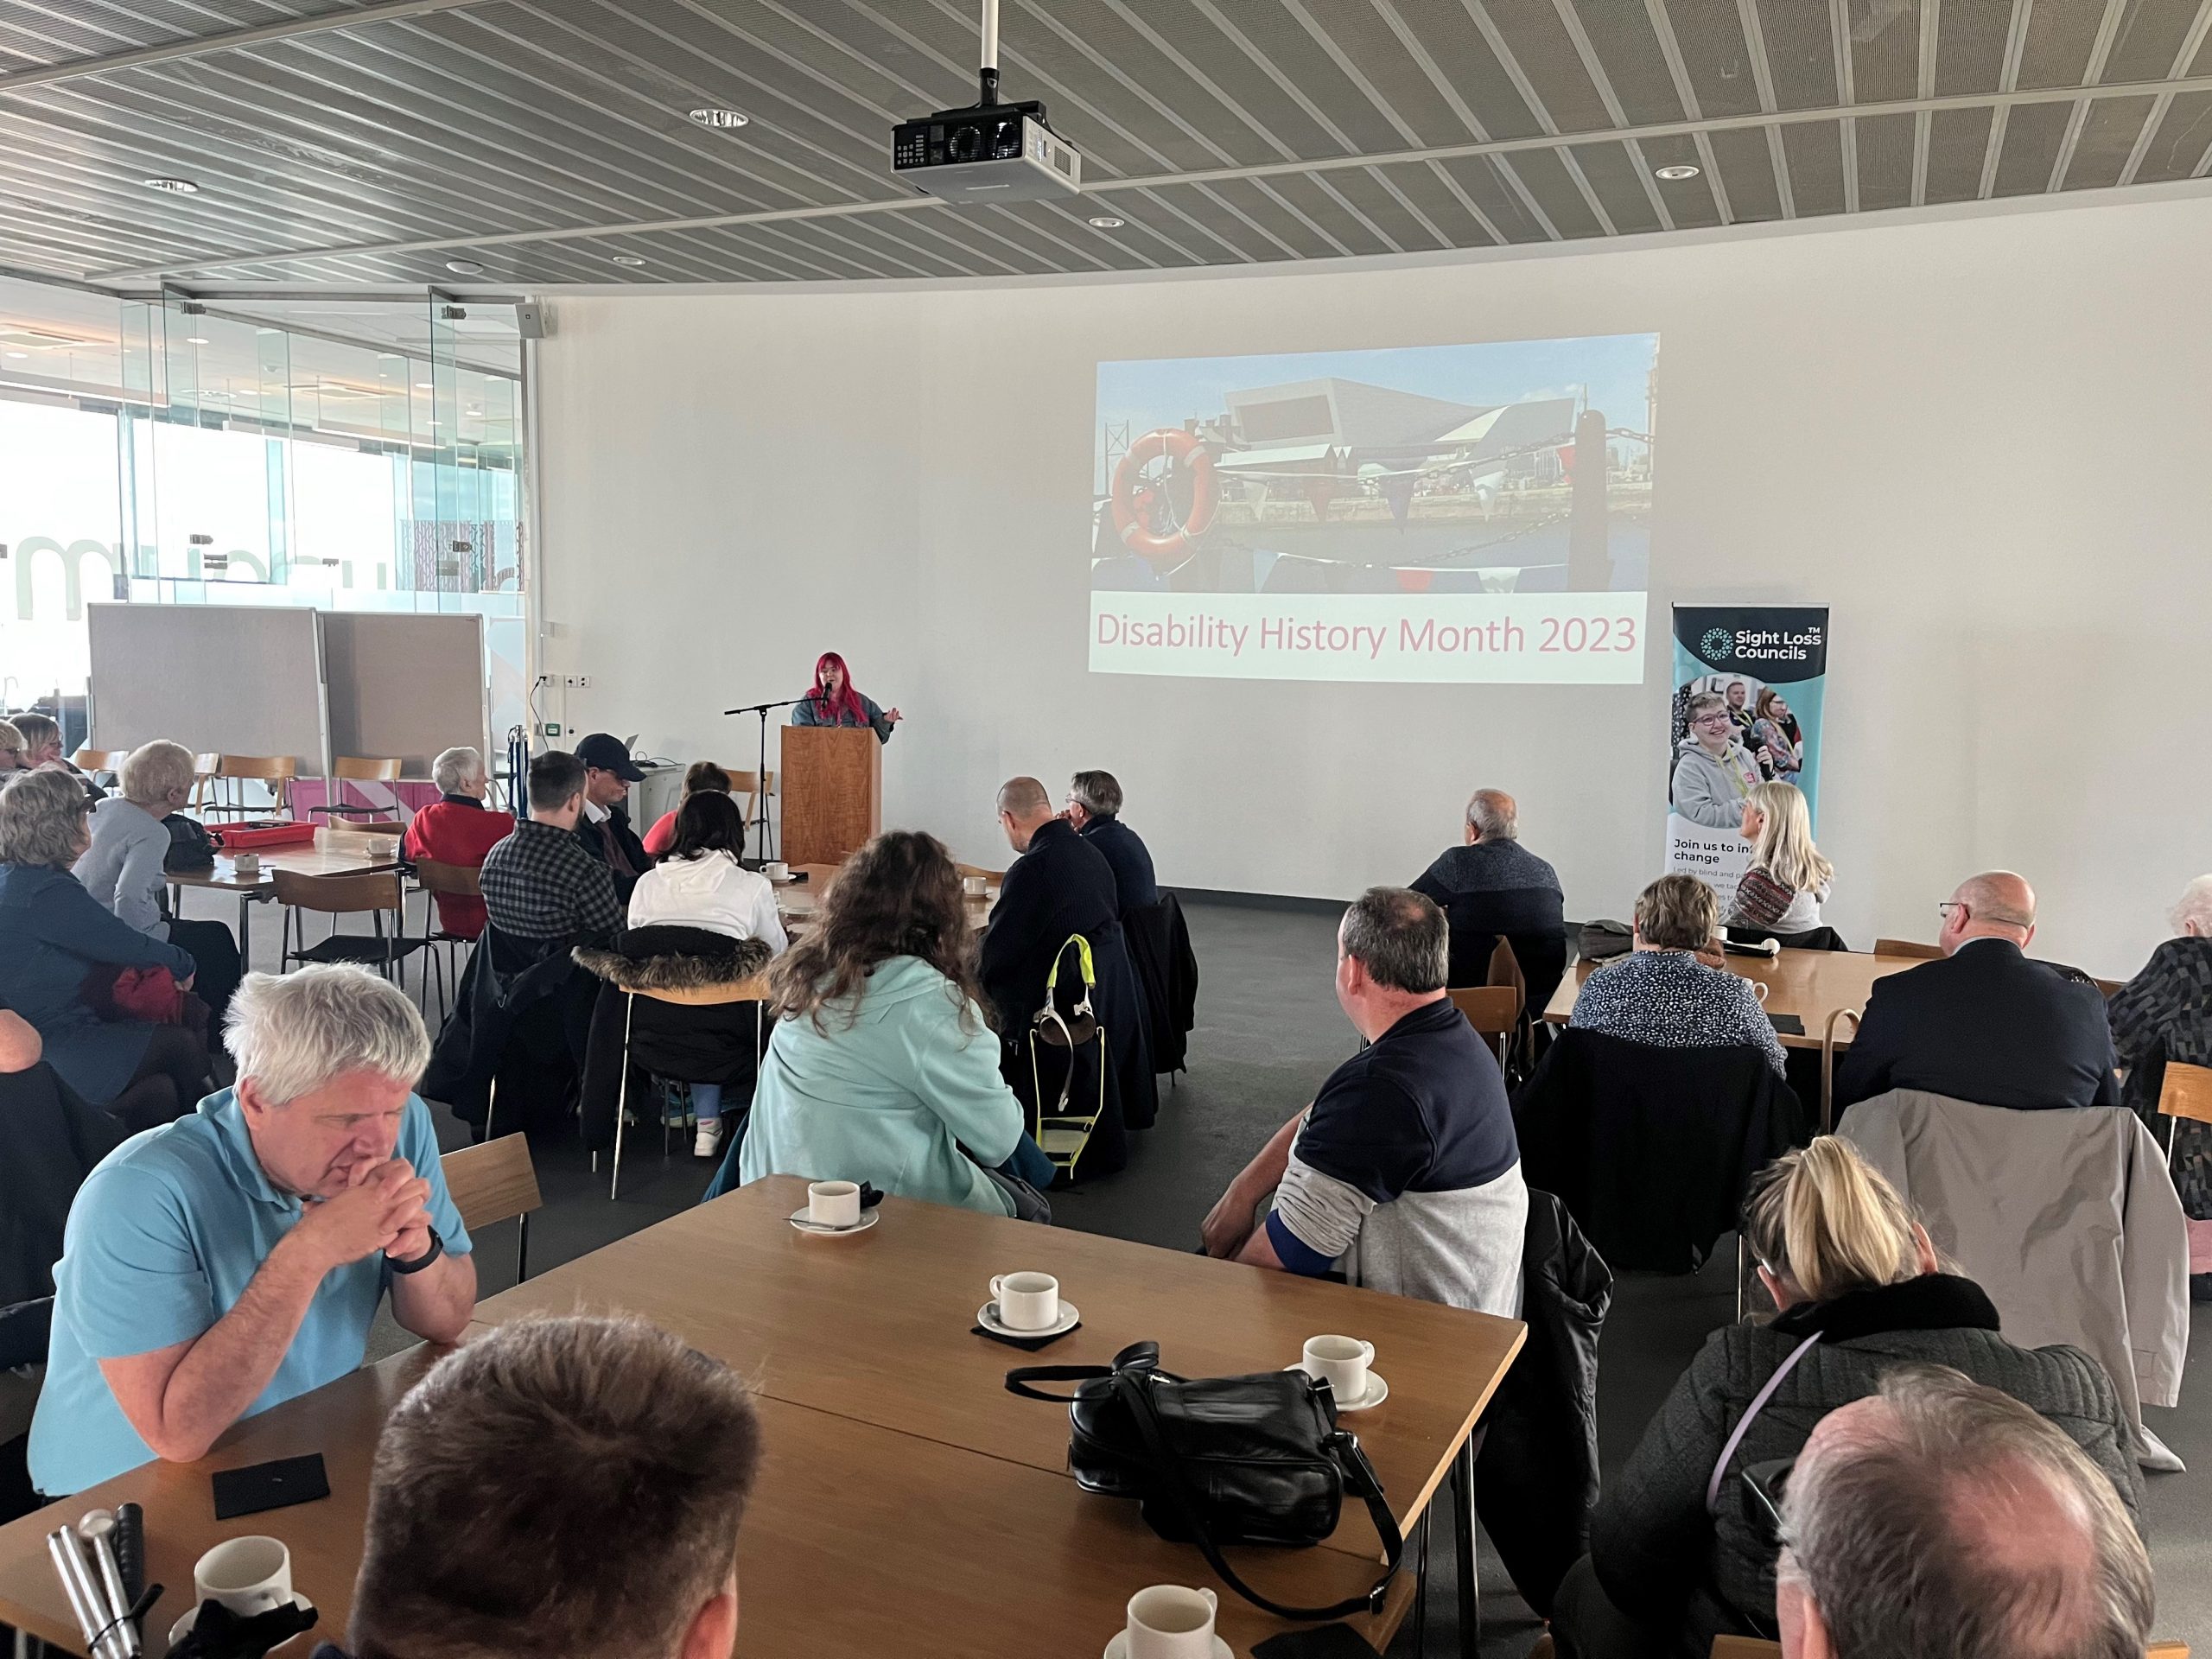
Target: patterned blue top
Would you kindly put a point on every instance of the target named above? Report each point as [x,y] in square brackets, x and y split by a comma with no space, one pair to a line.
[1671,1000]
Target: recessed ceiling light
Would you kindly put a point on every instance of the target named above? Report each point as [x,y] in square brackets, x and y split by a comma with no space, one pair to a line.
[1678,171]
[628,260]
[195,340]
[175,187]
[720,117]
[465,267]
[1106,222]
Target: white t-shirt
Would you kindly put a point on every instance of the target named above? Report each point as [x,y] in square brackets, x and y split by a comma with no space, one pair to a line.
[712,891]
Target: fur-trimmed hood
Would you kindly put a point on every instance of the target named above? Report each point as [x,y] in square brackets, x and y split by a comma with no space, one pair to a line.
[674,959]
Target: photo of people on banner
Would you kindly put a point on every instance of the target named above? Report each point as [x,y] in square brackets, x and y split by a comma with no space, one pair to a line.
[1746,711]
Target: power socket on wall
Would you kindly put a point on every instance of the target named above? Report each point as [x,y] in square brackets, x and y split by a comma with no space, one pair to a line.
[577,682]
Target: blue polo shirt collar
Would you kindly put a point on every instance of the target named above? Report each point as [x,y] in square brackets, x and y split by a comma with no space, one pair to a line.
[228,1115]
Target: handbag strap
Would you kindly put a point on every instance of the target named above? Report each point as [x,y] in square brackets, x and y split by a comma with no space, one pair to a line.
[1138,1356]
[1743,1423]
[1136,1390]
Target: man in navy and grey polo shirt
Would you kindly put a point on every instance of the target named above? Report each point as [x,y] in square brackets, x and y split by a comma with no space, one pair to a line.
[1404,1173]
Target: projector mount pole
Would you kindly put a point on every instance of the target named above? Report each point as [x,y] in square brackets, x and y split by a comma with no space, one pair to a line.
[990,54]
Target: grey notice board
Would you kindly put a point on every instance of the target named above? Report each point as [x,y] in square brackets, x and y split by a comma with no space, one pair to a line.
[230,679]
[405,685]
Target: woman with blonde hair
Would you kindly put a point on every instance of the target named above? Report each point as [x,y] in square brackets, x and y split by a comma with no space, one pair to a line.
[1680,1547]
[1789,881]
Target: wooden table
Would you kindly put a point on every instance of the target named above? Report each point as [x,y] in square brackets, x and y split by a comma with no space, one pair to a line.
[335,852]
[904,1490]
[1811,984]
[797,901]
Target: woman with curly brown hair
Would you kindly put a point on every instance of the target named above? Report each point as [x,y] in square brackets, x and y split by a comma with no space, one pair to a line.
[883,1067]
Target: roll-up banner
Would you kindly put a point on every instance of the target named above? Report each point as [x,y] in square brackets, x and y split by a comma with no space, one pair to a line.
[1748,686]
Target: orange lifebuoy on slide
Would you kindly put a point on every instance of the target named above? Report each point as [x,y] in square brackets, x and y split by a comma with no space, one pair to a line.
[1138,501]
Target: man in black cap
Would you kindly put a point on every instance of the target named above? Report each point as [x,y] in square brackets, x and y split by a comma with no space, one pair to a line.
[604,829]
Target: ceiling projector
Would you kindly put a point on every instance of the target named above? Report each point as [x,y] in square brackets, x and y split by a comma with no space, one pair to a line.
[989,153]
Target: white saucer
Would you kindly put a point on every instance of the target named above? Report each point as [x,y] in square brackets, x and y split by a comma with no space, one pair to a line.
[1377,1391]
[797,1219]
[1119,1646]
[988,1317]
[182,1627]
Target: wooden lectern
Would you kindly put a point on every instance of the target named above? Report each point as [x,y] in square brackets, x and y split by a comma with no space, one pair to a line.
[833,793]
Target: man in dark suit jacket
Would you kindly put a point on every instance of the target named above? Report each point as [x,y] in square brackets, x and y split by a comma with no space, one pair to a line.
[1095,809]
[1059,886]
[604,830]
[1986,1023]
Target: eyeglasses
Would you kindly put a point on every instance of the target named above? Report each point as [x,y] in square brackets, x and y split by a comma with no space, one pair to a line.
[1945,909]
[1718,717]
[1763,1488]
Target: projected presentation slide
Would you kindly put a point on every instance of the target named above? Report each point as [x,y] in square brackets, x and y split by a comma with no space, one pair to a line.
[1443,513]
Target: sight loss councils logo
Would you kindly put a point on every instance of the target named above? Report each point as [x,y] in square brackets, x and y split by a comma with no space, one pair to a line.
[1717,645]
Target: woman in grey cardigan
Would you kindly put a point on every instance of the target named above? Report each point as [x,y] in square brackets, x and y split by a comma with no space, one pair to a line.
[1680,1550]
[123,868]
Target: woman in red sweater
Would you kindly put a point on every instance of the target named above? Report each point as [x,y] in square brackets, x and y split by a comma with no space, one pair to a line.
[458,829]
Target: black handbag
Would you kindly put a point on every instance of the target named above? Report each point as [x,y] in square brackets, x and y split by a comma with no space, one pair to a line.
[1220,1460]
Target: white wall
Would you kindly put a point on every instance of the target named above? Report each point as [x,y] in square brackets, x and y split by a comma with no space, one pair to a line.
[1983,442]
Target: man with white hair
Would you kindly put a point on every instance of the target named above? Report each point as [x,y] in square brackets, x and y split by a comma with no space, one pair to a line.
[1940,1519]
[1986,1022]
[1493,887]
[225,1262]
[458,829]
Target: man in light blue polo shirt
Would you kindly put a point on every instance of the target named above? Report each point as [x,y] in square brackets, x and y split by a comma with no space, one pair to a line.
[225,1262]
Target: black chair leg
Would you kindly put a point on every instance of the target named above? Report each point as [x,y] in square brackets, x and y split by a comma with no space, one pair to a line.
[522,1248]
[1463,1517]
[1421,1584]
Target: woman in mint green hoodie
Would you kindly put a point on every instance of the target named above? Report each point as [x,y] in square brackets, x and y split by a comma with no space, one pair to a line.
[882,1067]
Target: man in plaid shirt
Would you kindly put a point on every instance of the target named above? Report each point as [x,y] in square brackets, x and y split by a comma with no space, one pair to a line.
[539,883]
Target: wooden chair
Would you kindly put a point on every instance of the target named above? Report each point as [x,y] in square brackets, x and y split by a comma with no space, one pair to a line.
[1828,1063]
[453,881]
[753,990]
[204,768]
[373,893]
[1493,1011]
[95,761]
[1907,948]
[492,1183]
[277,771]
[746,784]
[356,769]
[2186,1091]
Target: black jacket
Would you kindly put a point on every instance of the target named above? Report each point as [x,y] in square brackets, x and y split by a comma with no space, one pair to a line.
[51,1140]
[588,837]
[1063,885]
[1651,1149]
[710,1042]
[1167,973]
[521,1017]
[1135,885]
[1664,1562]
[1536,1475]
[1989,1025]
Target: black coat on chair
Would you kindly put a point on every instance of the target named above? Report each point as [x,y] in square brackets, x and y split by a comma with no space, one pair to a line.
[708,1042]
[521,1016]
[1063,885]
[1651,1149]
[1167,973]
[50,1138]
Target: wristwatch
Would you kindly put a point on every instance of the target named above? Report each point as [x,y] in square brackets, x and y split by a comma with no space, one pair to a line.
[437,1248]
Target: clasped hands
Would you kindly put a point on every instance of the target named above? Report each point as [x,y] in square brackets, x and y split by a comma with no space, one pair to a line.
[384,1208]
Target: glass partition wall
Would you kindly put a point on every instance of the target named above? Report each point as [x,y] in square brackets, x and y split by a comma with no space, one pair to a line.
[347,455]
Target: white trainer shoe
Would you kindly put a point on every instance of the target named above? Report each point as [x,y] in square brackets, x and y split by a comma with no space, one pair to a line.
[709,1141]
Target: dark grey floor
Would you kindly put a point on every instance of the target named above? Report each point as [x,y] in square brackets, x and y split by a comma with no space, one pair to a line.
[1268,1032]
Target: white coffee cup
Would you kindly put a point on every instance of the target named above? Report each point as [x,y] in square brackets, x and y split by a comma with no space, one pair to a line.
[833,1204]
[1342,1362]
[1027,1302]
[247,1575]
[247,864]
[1758,989]
[973,886]
[775,869]
[1169,1622]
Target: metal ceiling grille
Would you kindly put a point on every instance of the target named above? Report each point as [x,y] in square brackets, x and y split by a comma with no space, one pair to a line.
[355,142]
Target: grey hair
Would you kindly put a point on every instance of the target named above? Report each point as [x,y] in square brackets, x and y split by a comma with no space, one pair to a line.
[1495,815]
[293,1034]
[1401,938]
[1890,1530]
[1098,793]
[41,818]
[152,771]
[1677,912]
[454,767]
[2195,905]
